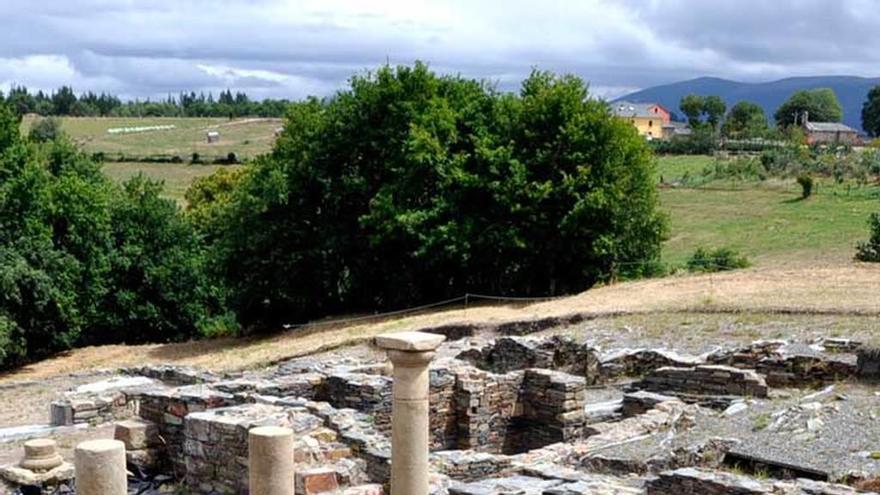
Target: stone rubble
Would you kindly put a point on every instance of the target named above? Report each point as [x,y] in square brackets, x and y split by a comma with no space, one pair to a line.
[517,415]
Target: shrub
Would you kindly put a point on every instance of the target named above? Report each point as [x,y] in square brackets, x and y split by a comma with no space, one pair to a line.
[806,183]
[45,129]
[701,142]
[195,159]
[721,259]
[870,250]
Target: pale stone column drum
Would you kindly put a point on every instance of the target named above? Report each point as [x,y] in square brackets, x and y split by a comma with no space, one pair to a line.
[100,468]
[410,353]
[270,461]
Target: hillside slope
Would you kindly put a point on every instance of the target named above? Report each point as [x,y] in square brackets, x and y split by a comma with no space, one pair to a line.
[851,91]
[840,291]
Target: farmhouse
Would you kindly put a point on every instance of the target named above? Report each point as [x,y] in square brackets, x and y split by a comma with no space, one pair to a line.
[830,133]
[213,137]
[648,118]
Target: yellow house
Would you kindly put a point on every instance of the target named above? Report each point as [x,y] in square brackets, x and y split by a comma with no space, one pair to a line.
[648,118]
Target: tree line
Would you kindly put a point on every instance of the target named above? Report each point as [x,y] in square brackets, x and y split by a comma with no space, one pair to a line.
[65,102]
[747,120]
[405,188]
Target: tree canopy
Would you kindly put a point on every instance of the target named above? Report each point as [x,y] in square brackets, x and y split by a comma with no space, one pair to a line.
[745,120]
[871,112]
[84,261]
[820,105]
[65,101]
[408,187]
[695,107]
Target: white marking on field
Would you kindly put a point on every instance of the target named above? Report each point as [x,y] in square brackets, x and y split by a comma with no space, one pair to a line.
[145,128]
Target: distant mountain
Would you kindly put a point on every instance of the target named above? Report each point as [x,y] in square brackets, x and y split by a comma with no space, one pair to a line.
[851,91]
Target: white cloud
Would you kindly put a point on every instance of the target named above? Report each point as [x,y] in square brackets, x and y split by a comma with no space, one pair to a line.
[296,47]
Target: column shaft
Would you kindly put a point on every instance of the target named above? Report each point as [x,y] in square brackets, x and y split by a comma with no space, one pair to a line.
[100,468]
[270,461]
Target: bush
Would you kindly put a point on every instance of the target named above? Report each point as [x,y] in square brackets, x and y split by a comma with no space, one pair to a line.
[701,142]
[45,129]
[195,159]
[806,183]
[721,259]
[870,250]
[410,188]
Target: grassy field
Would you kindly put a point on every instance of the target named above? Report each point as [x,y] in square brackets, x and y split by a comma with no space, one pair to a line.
[765,220]
[244,137]
[177,177]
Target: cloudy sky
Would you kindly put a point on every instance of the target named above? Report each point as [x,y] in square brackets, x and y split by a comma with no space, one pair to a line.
[293,48]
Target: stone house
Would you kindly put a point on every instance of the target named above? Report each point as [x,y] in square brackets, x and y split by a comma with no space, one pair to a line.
[830,133]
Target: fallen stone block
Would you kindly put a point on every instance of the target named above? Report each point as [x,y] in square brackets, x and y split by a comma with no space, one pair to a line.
[137,434]
[317,480]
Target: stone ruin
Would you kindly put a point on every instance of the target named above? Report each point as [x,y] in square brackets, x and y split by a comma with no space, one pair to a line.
[513,415]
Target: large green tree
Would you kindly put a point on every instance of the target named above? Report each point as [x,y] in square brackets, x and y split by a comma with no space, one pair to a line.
[819,105]
[84,261]
[871,112]
[714,108]
[745,120]
[692,107]
[408,187]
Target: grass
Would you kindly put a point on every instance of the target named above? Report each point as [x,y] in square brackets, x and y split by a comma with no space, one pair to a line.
[766,220]
[671,168]
[763,220]
[177,177]
[244,137]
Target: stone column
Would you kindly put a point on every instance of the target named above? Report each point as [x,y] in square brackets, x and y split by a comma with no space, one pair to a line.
[410,353]
[100,468]
[270,461]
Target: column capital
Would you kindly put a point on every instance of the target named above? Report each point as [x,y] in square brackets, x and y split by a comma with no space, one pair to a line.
[410,341]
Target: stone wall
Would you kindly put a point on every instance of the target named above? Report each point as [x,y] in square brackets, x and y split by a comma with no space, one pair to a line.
[216,447]
[442,415]
[799,370]
[485,404]
[868,363]
[705,380]
[691,481]
[174,375]
[168,409]
[553,408]
[508,354]
[368,393]
[92,410]
[639,362]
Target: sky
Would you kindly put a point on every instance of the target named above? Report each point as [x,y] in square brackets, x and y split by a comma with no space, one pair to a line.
[295,48]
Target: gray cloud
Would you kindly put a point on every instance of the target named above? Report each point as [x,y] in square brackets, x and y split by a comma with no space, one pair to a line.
[293,48]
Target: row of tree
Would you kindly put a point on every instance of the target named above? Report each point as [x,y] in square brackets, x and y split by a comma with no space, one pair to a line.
[747,120]
[406,188]
[65,101]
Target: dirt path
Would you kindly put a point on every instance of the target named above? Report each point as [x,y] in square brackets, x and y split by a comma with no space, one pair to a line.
[849,289]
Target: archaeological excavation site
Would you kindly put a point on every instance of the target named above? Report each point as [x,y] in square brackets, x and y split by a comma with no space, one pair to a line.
[462,410]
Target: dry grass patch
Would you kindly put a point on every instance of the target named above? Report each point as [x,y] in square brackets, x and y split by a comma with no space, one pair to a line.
[845,290]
